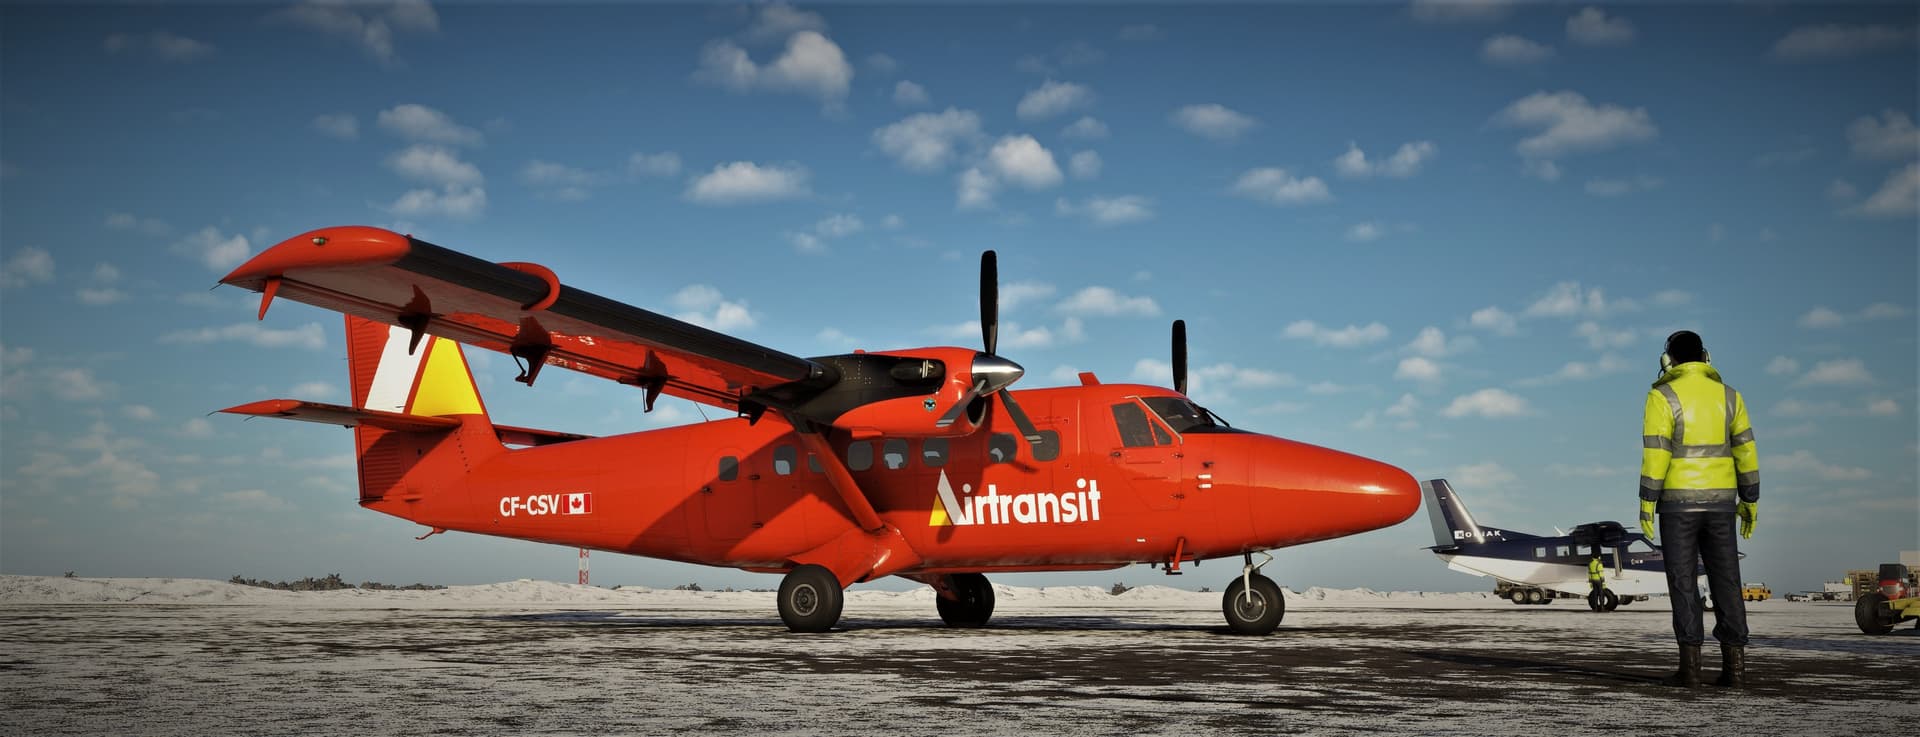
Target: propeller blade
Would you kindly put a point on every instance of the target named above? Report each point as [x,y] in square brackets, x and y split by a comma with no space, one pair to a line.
[1019,416]
[1180,356]
[953,413]
[989,301]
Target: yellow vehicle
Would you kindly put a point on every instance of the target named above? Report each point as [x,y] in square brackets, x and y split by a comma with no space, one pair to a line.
[1755,592]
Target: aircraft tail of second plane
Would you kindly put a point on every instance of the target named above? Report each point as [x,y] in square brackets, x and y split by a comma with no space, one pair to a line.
[1453,525]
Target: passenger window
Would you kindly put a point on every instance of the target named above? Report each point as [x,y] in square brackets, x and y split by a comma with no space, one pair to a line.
[1539,552]
[813,464]
[1561,551]
[1132,421]
[894,454]
[933,452]
[1001,447]
[784,458]
[859,455]
[729,468]
[1584,550]
[1048,448]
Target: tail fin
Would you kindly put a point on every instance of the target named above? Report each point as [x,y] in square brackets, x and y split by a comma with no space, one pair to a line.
[1453,525]
[391,372]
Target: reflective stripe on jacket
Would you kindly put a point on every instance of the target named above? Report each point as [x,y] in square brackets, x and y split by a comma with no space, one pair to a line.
[1697,451]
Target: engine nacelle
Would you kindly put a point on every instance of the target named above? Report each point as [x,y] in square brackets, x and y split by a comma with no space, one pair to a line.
[900,394]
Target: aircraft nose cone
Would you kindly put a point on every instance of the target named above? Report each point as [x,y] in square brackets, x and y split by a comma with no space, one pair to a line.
[996,371]
[1313,493]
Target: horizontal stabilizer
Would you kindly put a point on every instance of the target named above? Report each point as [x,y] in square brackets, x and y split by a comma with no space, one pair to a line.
[334,414]
[524,436]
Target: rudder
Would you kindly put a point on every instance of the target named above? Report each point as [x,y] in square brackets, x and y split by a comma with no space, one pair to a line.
[388,372]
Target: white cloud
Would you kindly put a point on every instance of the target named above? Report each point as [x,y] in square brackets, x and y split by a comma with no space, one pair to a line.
[1592,27]
[1783,366]
[1541,169]
[1839,372]
[908,94]
[1494,319]
[832,227]
[1618,187]
[1891,136]
[705,306]
[145,226]
[1821,317]
[1348,337]
[1365,232]
[1086,128]
[1899,196]
[777,21]
[882,63]
[1018,293]
[26,266]
[1672,298]
[1105,302]
[926,142]
[1883,408]
[1459,11]
[1569,299]
[1140,32]
[1836,41]
[1023,161]
[343,126]
[434,165]
[744,181]
[1842,190]
[1417,368]
[313,390]
[975,190]
[1802,461]
[559,181]
[664,164]
[78,385]
[451,202]
[197,427]
[1488,403]
[1108,210]
[1510,50]
[1405,407]
[811,65]
[98,296]
[218,251]
[1084,165]
[371,25]
[1488,475]
[1596,471]
[139,412]
[1328,387]
[424,124]
[309,336]
[1433,343]
[1277,187]
[1883,311]
[162,45]
[255,499]
[1581,371]
[1878,407]
[1404,162]
[1213,120]
[1569,124]
[1601,338]
[1053,99]
[17,356]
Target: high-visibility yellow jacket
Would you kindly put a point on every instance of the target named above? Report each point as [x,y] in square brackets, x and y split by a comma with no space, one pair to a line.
[1697,452]
[1594,570]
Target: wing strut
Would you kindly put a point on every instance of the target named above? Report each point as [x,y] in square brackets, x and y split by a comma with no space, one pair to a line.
[838,476]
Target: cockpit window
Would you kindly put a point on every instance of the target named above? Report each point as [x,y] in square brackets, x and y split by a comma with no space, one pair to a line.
[1134,428]
[1184,416]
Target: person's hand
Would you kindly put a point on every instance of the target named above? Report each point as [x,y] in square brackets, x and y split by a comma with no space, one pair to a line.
[1646,518]
[1749,513]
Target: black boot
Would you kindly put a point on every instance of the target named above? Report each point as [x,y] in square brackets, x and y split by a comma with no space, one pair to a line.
[1689,674]
[1733,667]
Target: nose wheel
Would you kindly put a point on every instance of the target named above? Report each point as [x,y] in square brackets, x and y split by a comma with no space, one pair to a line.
[810,599]
[1253,603]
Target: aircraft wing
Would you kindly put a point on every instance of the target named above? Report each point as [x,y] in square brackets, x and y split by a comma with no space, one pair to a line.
[519,309]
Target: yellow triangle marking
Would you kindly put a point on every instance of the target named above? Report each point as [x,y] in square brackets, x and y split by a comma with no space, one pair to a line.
[446,388]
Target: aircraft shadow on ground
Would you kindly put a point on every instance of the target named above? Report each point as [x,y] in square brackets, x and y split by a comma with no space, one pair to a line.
[1025,624]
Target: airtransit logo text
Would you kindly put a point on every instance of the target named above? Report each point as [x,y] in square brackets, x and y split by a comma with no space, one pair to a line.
[995,508]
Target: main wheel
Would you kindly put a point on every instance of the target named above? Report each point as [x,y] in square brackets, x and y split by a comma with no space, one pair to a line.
[973,602]
[1518,596]
[1625,600]
[1533,596]
[810,599]
[1872,614]
[1255,611]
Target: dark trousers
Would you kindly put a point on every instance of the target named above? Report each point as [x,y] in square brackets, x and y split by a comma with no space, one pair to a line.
[1688,539]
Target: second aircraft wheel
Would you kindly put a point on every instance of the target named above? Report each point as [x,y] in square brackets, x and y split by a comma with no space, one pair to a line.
[973,602]
[810,599]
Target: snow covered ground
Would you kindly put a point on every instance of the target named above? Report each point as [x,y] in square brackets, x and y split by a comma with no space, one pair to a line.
[193,657]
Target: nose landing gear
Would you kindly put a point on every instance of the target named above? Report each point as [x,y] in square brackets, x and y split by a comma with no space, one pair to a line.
[1253,603]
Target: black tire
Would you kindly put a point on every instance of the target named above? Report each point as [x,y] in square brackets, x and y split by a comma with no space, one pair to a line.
[1547,597]
[1253,613]
[1533,596]
[1609,601]
[1594,602]
[1872,614]
[1625,600]
[973,604]
[1518,596]
[810,599]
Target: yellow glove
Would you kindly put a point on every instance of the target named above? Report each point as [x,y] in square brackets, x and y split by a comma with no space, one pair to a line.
[1749,514]
[1646,517]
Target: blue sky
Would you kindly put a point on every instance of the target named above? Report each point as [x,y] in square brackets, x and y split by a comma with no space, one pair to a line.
[1450,236]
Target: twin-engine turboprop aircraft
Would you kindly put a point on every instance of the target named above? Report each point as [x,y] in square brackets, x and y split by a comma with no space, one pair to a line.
[918,463]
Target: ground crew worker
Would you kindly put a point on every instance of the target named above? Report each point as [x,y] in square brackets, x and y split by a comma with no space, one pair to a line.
[1596,577]
[1699,469]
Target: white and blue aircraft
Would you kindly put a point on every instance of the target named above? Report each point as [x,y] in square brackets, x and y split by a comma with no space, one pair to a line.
[1532,566]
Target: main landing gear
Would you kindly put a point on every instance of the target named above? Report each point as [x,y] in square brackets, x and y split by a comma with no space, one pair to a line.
[810,599]
[1253,603]
[972,602]
[1603,600]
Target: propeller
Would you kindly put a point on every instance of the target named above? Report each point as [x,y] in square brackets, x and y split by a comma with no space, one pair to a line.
[1180,356]
[992,374]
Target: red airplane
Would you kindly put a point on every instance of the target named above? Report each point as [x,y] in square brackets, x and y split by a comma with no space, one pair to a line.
[917,463]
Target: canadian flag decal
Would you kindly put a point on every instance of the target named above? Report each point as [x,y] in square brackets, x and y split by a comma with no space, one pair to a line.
[579,503]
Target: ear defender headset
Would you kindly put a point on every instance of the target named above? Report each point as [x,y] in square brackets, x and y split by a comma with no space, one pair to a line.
[1666,354]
